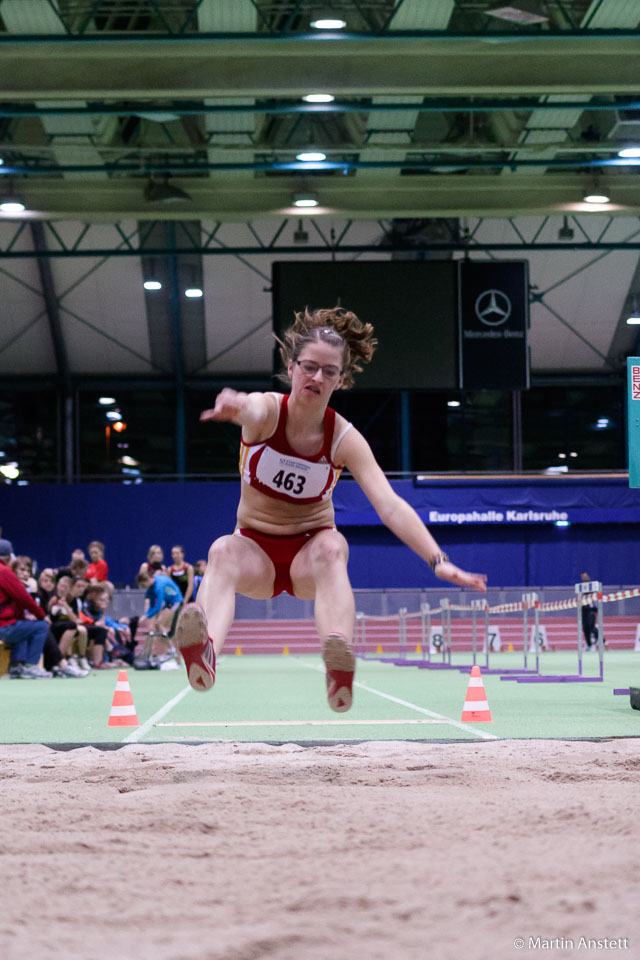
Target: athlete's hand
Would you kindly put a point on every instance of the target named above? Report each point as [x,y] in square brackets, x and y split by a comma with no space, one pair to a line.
[228,405]
[449,571]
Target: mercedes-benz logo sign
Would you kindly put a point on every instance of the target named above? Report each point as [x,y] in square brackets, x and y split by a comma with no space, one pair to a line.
[493,307]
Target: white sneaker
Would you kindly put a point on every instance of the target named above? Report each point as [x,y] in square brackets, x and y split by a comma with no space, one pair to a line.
[70,669]
[31,671]
[84,664]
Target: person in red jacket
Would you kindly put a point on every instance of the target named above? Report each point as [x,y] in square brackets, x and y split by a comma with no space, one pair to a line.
[97,571]
[25,637]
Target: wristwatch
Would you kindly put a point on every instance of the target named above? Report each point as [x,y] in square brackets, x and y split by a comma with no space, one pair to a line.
[439,558]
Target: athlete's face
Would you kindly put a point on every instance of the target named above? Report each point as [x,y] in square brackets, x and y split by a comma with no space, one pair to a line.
[317,370]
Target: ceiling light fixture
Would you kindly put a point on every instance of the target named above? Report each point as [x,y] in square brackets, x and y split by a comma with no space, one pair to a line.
[521,11]
[453,403]
[152,285]
[305,199]
[193,293]
[634,316]
[10,471]
[595,193]
[106,401]
[12,204]
[327,20]
[161,191]
[319,98]
[629,153]
[311,156]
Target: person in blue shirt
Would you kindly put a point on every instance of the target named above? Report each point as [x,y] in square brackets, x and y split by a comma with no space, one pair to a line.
[162,601]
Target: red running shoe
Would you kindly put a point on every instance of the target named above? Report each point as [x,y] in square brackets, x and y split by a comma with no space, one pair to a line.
[196,647]
[341,664]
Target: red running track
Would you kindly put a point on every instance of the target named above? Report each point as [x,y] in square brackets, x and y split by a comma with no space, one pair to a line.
[299,636]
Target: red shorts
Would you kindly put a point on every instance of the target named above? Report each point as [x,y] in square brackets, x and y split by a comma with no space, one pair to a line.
[281,551]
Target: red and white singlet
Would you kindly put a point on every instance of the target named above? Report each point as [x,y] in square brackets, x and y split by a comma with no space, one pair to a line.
[277,470]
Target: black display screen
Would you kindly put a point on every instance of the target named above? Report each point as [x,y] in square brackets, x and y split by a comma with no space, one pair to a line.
[413,306]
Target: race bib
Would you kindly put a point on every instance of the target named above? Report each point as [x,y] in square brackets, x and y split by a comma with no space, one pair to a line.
[290,476]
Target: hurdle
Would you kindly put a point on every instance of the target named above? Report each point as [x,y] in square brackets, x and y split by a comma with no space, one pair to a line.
[401,659]
[585,593]
[428,639]
[360,635]
[529,601]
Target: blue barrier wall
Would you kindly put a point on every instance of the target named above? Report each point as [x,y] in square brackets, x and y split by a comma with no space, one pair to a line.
[48,521]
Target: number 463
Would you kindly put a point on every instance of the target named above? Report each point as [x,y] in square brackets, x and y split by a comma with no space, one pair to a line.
[292,482]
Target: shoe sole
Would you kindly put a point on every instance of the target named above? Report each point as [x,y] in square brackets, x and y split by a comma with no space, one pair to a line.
[338,658]
[192,631]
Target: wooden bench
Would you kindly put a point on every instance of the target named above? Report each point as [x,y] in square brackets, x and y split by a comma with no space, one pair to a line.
[5,653]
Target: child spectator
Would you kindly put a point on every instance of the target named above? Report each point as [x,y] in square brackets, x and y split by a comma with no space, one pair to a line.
[162,602]
[23,568]
[46,587]
[74,598]
[92,617]
[162,599]
[182,574]
[121,637]
[76,566]
[97,571]
[154,562]
[70,635]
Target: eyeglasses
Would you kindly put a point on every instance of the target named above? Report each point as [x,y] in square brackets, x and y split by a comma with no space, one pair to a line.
[310,367]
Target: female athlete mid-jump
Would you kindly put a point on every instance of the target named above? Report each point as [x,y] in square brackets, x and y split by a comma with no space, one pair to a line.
[292,452]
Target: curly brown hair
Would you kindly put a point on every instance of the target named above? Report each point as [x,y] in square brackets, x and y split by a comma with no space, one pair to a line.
[338,328]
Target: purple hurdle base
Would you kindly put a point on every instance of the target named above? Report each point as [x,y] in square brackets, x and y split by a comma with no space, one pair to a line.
[559,679]
[510,674]
[621,692]
[436,666]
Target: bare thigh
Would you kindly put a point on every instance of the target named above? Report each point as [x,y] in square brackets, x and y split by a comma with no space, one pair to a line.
[325,545]
[243,562]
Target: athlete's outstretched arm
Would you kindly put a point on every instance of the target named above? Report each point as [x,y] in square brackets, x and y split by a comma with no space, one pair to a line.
[251,411]
[396,513]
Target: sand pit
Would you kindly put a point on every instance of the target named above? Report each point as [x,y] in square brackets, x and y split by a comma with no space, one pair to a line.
[243,851]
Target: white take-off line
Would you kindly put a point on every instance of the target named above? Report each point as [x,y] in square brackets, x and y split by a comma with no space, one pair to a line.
[295,723]
[154,720]
[412,706]
[141,731]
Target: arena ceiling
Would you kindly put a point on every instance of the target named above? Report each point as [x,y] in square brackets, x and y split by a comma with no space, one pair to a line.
[162,135]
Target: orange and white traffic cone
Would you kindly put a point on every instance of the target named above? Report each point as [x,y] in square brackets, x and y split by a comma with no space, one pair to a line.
[476,708]
[123,713]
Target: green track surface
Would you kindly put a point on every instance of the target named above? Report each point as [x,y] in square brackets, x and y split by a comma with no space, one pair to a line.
[262,690]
